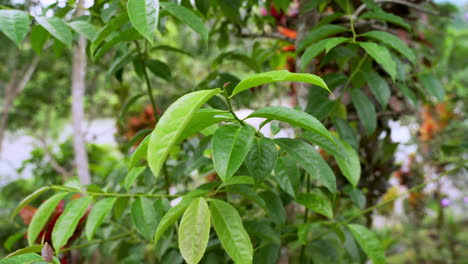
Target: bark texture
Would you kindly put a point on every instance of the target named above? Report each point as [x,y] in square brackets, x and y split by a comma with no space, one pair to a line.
[78,93]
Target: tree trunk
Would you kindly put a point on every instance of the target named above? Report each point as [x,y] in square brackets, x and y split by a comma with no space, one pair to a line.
[78,93]
[11,92]
[306,21]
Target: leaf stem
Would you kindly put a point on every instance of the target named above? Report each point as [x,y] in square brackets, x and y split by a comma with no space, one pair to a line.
[98,241]
[231,110]
[60,188]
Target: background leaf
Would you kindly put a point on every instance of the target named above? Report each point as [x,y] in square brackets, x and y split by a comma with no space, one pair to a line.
[365,110]
[379,87]
[382,56]
[433,86]
[57,28]
[317,202]
[369,242]
[144,216]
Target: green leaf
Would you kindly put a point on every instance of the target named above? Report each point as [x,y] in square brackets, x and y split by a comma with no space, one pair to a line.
[230,9]
[132,176]
[187,17]
[349,165]
[293,117]
[248,192]
[131,101]
[97,215]
[140,152]
[274,206]
[28,199]
[42,215]
[365,110]
[306,155]
[194,231]
[237,180]
[144,16]
[173,49]
[379,87]
[38,38]
[346,132]
[57,28]
[14,24]
[83,28]
[231,144]
[202,119]
[323,45]
[228,226]
[171,125]
[433,85]
[171,217]
[22,259]
[126,35]
[393,41]
[23,251]
[325,144]
[262,157]
[160,69]
[369,242]
[317,202]
[371,5]
[120,205]
[319,33]
[382,56]
[391,18]
[277,76]
[287,175]
[144,216]
[110,28]
[68,221]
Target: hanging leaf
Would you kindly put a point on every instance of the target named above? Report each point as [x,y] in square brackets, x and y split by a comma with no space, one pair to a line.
[261,159]
[365,110]
[38,38]
[187,17]
[83,28]
[143,217]
[171,125]
[228,226]
[42,215]
[160,69]
[319,33]
[171,217]
[433,85]
[277,76]
[231,143]
[68,221]
[140,152]
[28,199]
[382,56]
[317,202]
[293,117]
[97,215]
[15,25]
[383,16]
[144,16]
[306,155]
[57,28]
[393,41]
[132,176]
[369,242]
[194,231]
[120,205]
[315,49]
[127,35]
[349,163]
[379,87]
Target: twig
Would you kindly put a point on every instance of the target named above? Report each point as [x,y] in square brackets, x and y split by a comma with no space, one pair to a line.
[401,2]
[158,195]
[266,35]
[98,241]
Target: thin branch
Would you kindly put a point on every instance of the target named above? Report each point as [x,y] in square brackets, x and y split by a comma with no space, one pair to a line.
[362,7]
[98,241]
[266,35]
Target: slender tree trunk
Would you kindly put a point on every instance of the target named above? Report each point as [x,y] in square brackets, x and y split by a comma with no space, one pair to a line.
[306,21]
[12,90]
[78,93]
